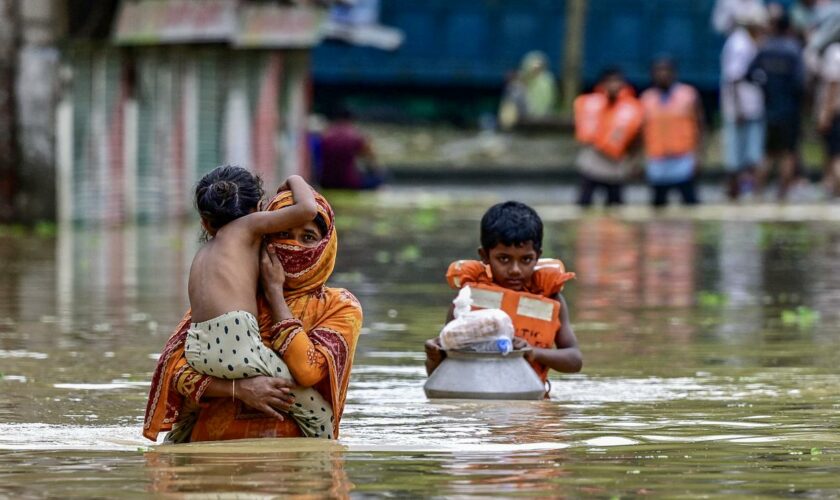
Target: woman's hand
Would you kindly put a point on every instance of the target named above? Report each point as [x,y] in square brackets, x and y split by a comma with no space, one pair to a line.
[272,274]
[272,278]
[266,394]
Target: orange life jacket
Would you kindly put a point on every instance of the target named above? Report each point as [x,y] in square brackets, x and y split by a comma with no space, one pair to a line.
[670,127]
[536,316]
[608,127]
[536,319]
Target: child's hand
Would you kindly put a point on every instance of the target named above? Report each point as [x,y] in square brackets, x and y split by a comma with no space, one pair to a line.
[287,184]
[272,274]
[284,187]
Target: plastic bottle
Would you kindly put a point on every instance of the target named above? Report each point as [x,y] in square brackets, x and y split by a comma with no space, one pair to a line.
[501,345]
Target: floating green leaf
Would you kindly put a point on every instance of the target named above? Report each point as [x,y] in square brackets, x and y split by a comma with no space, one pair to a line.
[710,299]
[382,257]
[802,316]
[410,253]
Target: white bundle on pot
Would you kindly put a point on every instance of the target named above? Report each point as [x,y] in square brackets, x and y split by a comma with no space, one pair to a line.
[474,327]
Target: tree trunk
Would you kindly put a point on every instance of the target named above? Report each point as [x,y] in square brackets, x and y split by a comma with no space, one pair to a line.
[573,51]
[10,155]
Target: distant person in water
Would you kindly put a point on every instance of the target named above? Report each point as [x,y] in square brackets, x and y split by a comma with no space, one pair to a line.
[347,157]
[672,134]
[607,125]
[512,274]
[779,69]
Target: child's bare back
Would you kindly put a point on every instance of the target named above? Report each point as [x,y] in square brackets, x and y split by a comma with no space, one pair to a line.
[224,272]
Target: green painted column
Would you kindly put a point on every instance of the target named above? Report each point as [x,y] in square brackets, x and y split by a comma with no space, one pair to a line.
[573,49]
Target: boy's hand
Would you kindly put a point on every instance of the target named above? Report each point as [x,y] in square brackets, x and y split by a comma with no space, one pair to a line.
[520,344]
[434,355]
[433,350]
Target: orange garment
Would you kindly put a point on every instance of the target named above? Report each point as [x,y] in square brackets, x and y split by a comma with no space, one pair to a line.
[670,127]
[608,127]
[535,312]
[318,346]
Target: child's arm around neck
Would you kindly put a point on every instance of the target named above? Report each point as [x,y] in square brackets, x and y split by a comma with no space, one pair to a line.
[304,210]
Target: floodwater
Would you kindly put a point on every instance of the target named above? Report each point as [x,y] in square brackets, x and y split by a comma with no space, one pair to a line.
[709,337]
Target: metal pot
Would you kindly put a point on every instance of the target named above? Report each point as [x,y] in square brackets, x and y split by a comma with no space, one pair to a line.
[484,375]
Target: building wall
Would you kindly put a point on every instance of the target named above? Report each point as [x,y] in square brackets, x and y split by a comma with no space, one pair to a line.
[28,83]
[474,43]
[138,128]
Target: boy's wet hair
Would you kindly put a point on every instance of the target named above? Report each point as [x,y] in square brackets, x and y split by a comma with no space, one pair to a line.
[513,224]
[226,194]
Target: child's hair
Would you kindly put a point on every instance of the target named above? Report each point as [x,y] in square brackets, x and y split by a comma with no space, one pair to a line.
[511,223]
[226,194]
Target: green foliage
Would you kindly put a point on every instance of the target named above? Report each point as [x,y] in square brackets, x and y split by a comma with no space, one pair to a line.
[13,230]
[45,229]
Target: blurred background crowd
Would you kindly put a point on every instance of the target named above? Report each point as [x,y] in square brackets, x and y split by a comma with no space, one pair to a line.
[110,110]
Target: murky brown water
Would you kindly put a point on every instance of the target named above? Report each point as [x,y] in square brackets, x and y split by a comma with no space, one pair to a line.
[710,342]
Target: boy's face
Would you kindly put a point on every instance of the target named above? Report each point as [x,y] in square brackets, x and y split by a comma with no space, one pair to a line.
[512,266]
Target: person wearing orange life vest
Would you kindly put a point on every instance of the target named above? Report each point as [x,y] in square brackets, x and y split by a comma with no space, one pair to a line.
[672,134]
[512,277]
[607,125]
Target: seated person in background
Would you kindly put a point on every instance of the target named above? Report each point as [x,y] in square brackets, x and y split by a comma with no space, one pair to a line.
[342,148]
[510,271]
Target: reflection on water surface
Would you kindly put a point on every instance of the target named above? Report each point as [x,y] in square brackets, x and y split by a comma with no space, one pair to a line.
[709,340]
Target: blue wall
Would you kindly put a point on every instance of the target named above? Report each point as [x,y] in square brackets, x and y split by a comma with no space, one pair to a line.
[475,42]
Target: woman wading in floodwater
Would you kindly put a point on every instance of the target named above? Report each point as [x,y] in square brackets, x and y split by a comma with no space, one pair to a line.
[317,343]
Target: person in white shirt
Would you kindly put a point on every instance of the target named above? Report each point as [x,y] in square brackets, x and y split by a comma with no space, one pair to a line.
[742,101]
[828,115]
[823,54]
[724,15]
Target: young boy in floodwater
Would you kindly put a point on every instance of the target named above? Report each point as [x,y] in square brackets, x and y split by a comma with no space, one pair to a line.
[224,338]
[512,277]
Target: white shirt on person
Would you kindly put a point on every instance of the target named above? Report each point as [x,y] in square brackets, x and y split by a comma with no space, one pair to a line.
[829,72]
[738,53]
[726,12]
